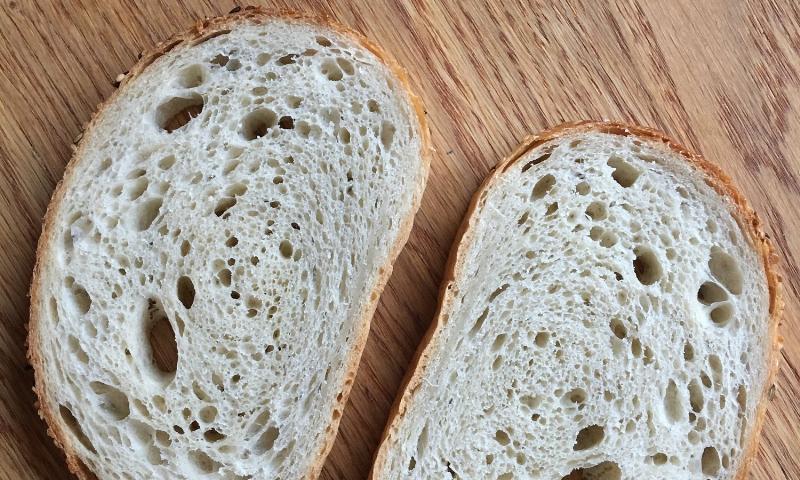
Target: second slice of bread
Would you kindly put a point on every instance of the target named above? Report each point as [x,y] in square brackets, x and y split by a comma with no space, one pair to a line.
[609,311]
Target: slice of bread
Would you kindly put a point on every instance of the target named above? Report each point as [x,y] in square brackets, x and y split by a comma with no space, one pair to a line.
[211,260]
[609,311]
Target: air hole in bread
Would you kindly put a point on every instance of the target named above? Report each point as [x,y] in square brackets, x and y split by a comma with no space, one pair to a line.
[79,298]
[705,379]
[154,455]
[597,211]
[233,65]
[163,438]
[541,339]
[286,122]
[266,441]
[137,188]
[203,462]
[331,70]
[479,322]
[543,186]
[219,60]
[146,212]
[496,293]
[160,403]
[257,123]
[583,188]
[191,76]
[286,249]
[725,269]
[709,461]
[114,402]
[387,134]
[203,396]
[373,106]
[618,328]
[212,435]
[178,111]
[346,66]
[322,41]
[589,437]
[224,277]
[696,400]
[624,173]
[185,291]
[74,427]
[673,403]
[575,396]
[288,59]
[722,314]
[646,266]
[52,307]
[688,352]
[230,166]
[231,242]
[161,338]
[716,369]
[167,162]
[636,347]
[185,248]
[531,401]
[141,408]
[502,437]
[608,239]
[741,399]
[497,363]
[710,293]
[499,341]
[551,209]
[76,349]
[602,471]
[535,161]
[135,173]
[263,58]
[659,459]
[223,205]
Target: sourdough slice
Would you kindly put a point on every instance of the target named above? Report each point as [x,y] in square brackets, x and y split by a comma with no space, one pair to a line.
[609,312]
[240,199]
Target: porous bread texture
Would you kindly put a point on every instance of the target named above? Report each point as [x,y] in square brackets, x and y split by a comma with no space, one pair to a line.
[239,201]
[608,319]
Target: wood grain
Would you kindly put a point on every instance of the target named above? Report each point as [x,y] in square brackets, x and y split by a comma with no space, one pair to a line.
[722,77]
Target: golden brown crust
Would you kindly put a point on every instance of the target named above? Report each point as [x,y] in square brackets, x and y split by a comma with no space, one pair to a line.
[714,177]
[201,31]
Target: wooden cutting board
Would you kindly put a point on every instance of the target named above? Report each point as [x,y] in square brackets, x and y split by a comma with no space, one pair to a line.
[723,77]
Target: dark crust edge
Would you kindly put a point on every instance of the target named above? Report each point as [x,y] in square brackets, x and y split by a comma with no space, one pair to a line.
[713,176]
[202,31]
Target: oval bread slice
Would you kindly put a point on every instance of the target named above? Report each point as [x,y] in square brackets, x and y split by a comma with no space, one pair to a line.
[211,260]
[610,312]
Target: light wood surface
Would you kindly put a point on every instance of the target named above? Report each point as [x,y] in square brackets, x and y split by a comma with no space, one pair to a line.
[722,77]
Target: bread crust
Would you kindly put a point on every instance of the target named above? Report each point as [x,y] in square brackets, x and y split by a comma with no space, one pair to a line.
[714,177]
[203,30]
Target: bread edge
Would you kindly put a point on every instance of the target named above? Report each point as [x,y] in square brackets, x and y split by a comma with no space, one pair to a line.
[744,215]
[203,30]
